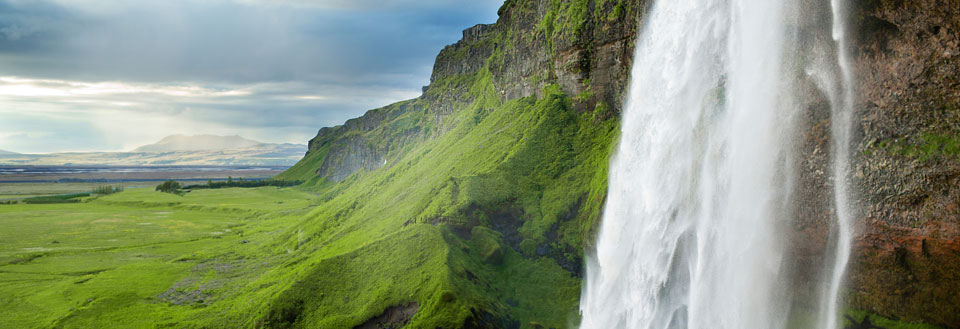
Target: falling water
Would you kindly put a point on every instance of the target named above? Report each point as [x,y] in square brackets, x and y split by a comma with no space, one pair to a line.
[700,187]
[697,192]
[841,99]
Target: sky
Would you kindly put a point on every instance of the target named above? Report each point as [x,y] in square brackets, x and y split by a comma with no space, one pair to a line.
[111,75]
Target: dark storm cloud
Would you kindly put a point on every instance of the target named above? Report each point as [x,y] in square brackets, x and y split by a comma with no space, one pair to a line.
[299,64]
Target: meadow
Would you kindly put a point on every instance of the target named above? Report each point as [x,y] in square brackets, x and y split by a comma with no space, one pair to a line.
[13,191]
[55,180]
[135,259]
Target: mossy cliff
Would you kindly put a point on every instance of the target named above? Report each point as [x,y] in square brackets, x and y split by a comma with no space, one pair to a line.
[471,205]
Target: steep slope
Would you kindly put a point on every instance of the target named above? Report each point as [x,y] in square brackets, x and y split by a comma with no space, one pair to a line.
[500,168]
[476,200]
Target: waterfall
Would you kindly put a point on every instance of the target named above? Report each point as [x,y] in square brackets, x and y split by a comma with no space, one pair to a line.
[700,185]
[841,99]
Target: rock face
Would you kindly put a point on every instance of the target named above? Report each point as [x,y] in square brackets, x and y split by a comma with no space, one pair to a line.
[586,47]
[907,258]
[906,262]
[365,143]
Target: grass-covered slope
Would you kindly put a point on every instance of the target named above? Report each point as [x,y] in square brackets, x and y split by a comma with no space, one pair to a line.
[473,203]
[480,225]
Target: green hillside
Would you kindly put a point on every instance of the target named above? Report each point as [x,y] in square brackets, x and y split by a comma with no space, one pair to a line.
[503,200]
[458,226]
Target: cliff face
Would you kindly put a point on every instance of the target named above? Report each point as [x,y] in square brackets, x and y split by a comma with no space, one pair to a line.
[584,46]
[906,259]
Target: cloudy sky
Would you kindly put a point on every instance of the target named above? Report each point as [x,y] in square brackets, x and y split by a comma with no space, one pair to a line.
[110,75]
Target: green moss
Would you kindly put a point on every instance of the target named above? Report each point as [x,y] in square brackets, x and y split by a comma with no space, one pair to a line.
[925,147]
[604,12]
[584,95]
[565,20]
[860,316]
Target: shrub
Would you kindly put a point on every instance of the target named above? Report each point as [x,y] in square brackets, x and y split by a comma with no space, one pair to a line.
[245,183]
[64,198]
[107,190]
[170,186]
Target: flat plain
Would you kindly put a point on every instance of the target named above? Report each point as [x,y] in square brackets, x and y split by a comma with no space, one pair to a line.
[40,181]
[136,257]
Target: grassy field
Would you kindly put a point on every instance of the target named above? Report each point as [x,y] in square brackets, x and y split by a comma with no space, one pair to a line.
[26,190]
[138,258]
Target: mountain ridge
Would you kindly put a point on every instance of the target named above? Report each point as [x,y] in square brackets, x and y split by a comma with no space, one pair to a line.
[204,142]
[207,150]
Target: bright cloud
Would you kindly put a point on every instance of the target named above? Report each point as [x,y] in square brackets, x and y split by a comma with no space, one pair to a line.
[110,75]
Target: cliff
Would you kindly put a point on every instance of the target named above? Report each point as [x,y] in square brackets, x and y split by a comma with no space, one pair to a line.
[907,256]
[907,165]
[501,166]
[585,47]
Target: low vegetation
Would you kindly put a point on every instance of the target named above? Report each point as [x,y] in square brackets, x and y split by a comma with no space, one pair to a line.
[243,183]
[170,186]
[63,198]
[856,319]
[924,147]
[107,190]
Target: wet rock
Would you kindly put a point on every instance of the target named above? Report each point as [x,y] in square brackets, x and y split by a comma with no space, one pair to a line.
[392,317]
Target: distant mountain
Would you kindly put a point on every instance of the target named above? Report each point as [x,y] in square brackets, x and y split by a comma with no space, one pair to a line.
[2,152]
[182,143]
[176,150]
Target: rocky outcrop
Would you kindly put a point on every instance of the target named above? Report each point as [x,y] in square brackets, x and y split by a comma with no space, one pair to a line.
[393,317]
[365,143]
[585,46]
